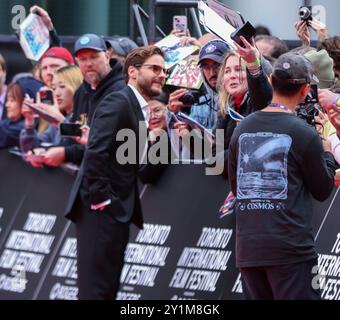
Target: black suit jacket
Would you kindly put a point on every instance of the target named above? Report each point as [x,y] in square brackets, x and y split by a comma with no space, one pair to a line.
[101,176]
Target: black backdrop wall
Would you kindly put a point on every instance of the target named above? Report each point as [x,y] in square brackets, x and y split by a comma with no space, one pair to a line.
[184,252]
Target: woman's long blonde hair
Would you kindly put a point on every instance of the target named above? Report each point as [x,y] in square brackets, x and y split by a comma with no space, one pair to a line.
[71,76]
[223,94]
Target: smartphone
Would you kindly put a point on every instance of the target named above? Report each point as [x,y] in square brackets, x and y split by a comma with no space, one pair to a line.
[247,31]
[70,130]
[46,96]
[312,96]
[180,23]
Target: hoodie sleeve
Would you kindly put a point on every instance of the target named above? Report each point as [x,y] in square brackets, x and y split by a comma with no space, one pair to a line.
[260,90]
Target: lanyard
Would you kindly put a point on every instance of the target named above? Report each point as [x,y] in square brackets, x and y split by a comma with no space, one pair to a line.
[276,105]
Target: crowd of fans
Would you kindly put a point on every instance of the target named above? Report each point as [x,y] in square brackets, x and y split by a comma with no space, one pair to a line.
[234,81]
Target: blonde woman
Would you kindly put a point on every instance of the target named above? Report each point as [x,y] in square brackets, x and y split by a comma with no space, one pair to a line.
[64,84]
[242,87]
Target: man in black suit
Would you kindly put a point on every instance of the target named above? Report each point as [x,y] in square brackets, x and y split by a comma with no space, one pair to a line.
[105,198]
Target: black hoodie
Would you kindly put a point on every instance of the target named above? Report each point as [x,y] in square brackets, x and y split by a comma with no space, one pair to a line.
[86,101]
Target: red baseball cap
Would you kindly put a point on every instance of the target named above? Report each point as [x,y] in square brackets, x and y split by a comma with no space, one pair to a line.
[59,53]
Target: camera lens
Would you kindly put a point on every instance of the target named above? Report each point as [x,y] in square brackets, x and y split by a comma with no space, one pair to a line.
[188,99]
[305,13]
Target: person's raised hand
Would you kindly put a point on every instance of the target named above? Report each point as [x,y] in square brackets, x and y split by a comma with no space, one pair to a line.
[250,53]
[44,16]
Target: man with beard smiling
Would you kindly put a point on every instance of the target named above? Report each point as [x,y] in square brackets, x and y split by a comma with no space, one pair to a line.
[105,198]
[102,76]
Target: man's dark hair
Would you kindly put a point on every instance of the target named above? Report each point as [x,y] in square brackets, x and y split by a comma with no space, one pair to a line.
[279,46]
[332,46]
[262,30]
[138,56]
[285,89]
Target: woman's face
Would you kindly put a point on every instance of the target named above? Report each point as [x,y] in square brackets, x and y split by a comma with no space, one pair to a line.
[157,115]
[13,108]
[63,95]
[235,78]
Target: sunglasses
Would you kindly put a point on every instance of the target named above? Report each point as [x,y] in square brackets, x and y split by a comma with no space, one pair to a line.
[156,69]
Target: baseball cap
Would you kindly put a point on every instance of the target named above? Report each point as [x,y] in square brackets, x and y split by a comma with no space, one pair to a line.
[29,86]
[90,41]
[59,53]
[323,67]
[294,68]
[122,45]
[214,50]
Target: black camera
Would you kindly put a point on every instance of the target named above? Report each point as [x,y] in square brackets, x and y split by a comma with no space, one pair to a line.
[308,113]
[305,13]
[190,98]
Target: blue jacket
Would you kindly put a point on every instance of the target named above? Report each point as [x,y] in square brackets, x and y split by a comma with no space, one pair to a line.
[10,132]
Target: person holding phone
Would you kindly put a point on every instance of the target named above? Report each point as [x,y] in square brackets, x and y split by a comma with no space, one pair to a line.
[102,76]
[64,84]
[243,87]
[11,126]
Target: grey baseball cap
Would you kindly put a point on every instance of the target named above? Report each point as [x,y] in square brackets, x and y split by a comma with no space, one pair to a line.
[90,41]
[122,45]
[294,68]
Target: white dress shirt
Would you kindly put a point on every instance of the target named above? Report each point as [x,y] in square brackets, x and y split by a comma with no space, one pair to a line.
[146,112]
[143,104]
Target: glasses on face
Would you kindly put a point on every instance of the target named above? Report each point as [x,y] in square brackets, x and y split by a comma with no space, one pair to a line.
[156,69]
[206,67]
[157,112]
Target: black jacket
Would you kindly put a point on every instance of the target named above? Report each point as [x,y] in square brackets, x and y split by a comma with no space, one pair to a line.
[86,100]
[258,97]
[101,176]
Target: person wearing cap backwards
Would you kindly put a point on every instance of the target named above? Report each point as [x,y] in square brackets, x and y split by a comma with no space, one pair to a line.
[105,199]
[102,76]
[277,163]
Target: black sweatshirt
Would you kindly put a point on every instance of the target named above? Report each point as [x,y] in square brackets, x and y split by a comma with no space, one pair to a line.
[86,101]
[276,165]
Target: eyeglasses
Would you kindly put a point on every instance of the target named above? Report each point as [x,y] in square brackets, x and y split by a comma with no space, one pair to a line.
[155,68]
[157,112]
[207,67]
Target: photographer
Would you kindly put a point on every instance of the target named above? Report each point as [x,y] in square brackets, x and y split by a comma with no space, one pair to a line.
[302,30]
[205,112]
[277,163]
[243,87]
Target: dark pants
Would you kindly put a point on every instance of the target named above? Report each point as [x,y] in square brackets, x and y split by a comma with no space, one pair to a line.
[101,243]
[283,282]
